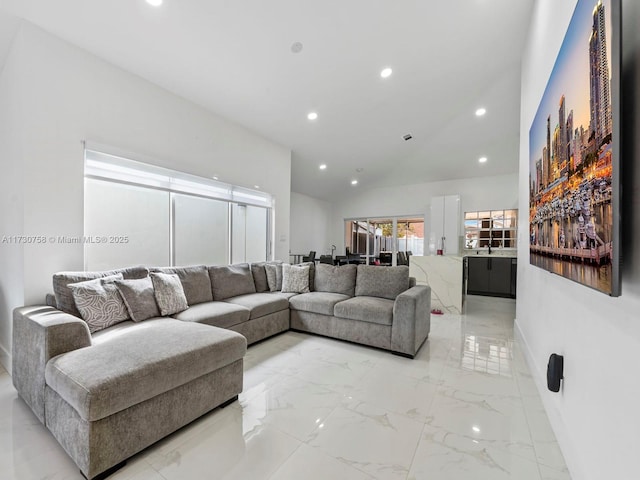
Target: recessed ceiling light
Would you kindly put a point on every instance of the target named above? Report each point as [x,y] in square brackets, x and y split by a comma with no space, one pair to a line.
[476,429]
[155,3]
[480,112]
[354,182]
[482,159]
[215,177]
[312,116]
[256,186]
[323,167]
[386,72]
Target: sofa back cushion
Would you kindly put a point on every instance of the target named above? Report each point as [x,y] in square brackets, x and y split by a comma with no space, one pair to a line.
[383,282]
[335,279]
[64,296]
[231,280]
[195,282]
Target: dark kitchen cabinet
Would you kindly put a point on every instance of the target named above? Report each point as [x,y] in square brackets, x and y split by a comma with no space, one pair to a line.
[491,276]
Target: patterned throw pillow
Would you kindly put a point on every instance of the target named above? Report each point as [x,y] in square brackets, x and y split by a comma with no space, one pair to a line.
[169,293]
[274,276]
[295,278]
[99,302]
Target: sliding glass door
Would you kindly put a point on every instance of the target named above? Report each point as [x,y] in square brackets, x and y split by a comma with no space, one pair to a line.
[249,237]
[379,240]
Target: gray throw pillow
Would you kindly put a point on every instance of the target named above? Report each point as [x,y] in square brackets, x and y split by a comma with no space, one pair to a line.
[274,276]
[195,282]
[139,298]
[169,293]
[99,302]
[295,278]
[312,274]
[259,277]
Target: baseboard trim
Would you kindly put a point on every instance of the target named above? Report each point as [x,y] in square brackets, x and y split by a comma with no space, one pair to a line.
[5,359]
[571,456]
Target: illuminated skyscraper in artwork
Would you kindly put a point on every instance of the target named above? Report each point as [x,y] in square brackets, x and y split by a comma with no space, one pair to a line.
[562,141]
[600,86]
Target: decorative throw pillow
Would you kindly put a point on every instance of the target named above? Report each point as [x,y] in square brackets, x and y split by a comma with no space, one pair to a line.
[312,274]
[274,276]
[64,296]
[295,278]
[169,293]
[139,298]
[99,302]
[195,282]
[259,277]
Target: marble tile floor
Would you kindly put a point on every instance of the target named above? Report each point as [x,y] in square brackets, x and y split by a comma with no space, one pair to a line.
[316,408]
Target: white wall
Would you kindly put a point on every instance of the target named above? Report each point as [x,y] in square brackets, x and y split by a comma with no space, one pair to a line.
[475,194]
[11,196]
[595,416]
[310,225]
[70,96]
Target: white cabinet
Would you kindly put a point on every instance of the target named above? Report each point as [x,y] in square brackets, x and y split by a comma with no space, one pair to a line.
[445,224]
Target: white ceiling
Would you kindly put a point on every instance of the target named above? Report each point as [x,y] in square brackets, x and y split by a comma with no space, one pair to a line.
[234,57]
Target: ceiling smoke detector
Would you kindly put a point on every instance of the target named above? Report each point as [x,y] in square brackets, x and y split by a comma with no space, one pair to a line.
[296,47]
[407,137]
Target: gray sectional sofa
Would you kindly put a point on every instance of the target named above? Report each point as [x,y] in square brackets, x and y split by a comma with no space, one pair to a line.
[371,305]
[107,394]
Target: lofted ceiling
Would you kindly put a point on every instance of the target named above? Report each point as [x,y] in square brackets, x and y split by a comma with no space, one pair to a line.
[235,58]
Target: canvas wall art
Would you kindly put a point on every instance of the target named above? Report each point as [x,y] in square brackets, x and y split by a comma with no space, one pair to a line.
[573,156]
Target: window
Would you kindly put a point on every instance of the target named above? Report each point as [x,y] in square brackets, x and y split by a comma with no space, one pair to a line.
[497,228]
[155,216]
[374,238]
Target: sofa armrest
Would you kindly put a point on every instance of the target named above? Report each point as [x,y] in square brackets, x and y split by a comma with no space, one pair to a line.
[39,334]
[411,320]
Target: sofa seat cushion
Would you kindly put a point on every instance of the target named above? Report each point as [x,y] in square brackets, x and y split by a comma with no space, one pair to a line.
[156,357]
[260,304]
[286,295]
[367,309]
[218,314]
[317,302]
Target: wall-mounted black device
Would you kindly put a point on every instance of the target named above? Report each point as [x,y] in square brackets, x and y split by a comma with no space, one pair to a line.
[554,372]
